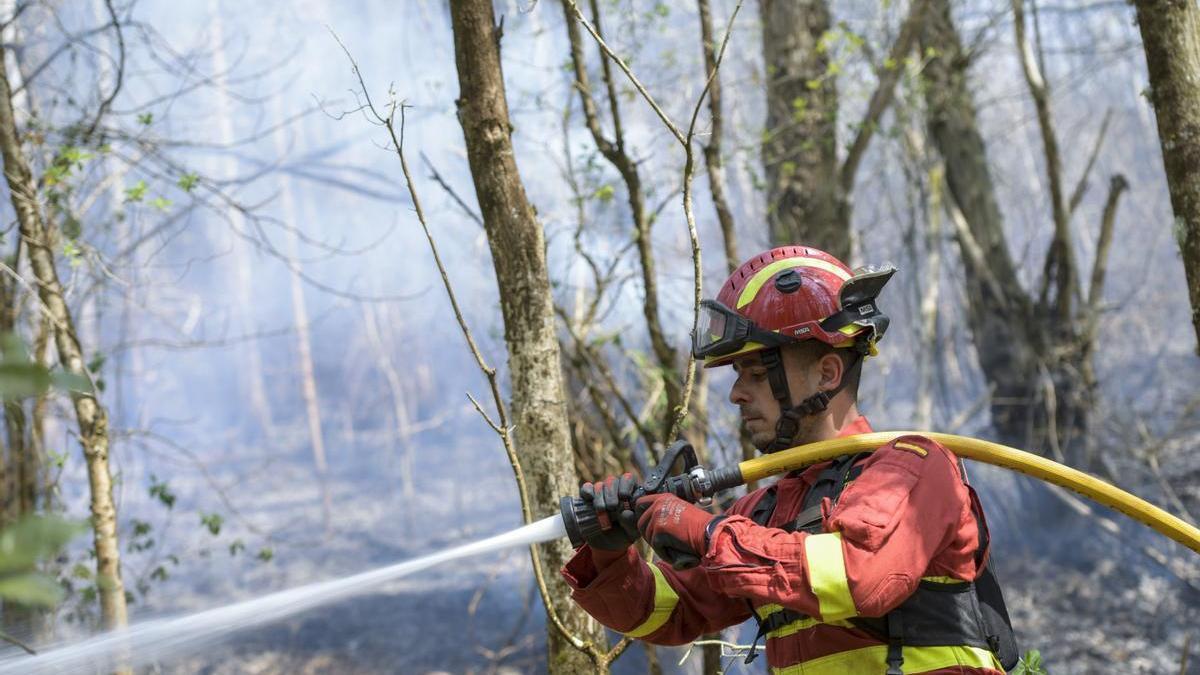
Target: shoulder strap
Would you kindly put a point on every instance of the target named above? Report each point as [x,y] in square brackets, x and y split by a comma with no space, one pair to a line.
[830,483]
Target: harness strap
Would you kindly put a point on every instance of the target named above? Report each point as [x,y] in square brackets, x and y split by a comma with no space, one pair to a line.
[895,653]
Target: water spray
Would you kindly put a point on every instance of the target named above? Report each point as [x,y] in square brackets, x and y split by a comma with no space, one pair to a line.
[157,640]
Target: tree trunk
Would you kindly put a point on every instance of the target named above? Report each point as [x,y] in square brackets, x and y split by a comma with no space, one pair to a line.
[304,351]
[91,416]
[1038,401]
[805,203]
[250,366]
[1171,37]
[517,244]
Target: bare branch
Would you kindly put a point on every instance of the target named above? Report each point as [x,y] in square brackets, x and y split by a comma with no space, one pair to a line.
[628,73]
[1060,261]
[107,101]
[1082,185]
[697,271]
[884,92]
[437,178]
[712,150]
[1116,186]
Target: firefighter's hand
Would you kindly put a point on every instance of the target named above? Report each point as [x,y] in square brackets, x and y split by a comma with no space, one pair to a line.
[674,528]
[612,500]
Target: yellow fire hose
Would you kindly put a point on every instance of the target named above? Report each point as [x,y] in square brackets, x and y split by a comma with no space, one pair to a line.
[989,453]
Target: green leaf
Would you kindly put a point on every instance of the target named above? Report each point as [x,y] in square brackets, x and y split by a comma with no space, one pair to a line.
[1030,664]
[213,522]
[187,182]
[137,192]
[12,348]
[236,547]
[31,539]
[70,382]
[161,203]
[145,119]
[31,588]
[81,571]
[71,226]
[18,380]
[265,554]
[604,193]
[162,492]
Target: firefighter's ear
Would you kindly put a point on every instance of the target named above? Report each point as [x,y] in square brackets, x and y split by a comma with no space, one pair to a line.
[832,369]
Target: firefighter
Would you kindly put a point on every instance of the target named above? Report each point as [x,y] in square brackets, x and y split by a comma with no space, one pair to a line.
[874,563]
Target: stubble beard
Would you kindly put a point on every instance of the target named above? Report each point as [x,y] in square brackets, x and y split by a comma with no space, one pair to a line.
[804,432]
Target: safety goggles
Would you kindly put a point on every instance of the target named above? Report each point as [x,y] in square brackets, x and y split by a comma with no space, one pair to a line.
[722,331]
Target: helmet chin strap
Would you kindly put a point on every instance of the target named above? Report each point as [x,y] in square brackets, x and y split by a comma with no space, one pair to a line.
[790,415]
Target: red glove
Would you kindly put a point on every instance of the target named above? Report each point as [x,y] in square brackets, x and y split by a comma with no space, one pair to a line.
[675,529]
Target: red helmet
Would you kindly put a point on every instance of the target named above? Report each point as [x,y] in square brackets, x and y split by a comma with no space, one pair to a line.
[790,294]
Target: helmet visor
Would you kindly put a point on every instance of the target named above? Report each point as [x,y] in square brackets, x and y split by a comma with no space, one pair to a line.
[722,331]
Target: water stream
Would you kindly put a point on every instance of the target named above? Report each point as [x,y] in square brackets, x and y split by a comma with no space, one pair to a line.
[160,640]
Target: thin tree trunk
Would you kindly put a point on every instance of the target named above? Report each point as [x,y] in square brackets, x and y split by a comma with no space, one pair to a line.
[805,203]
[932,273]
[304,353]
[90,414]
[400,408]
[37,430]
[712,150]
[518,253]
[1171,37]
[251,368]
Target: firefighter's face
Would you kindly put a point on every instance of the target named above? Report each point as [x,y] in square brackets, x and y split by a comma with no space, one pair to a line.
[751,393]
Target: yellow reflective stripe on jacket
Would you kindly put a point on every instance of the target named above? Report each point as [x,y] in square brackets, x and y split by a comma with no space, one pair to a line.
[827,576]
[665,599]
[943,580]
[765,611]
[874,660]
[763,275]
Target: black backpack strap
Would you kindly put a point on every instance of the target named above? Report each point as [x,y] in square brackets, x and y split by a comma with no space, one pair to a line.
[773,621]
[830,483]
[895,635]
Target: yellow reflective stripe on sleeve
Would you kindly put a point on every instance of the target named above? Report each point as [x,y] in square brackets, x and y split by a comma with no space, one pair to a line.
[827,576]
[665,599]
[763,275]
[874,660]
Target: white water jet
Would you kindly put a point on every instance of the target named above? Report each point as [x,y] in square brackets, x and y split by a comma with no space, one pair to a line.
[159,640]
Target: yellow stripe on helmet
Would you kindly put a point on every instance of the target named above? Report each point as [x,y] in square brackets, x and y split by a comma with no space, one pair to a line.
[760,277]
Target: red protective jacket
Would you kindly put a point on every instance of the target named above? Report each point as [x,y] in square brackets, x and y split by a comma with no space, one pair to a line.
[906,517]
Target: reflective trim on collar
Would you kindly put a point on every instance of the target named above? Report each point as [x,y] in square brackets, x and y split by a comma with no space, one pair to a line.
[665,599]
[827,576]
